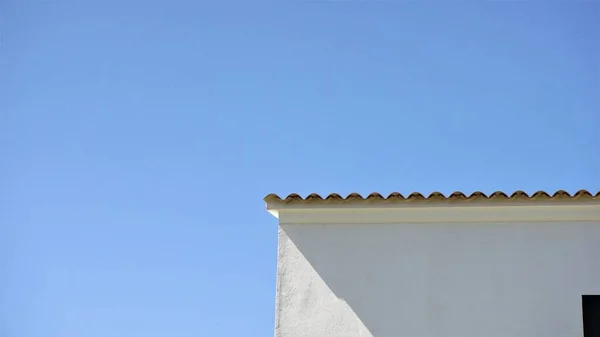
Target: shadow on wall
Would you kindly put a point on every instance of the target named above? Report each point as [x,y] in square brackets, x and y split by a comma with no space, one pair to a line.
[461,280]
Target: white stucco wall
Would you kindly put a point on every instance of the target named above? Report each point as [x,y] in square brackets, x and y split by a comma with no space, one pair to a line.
[464,278]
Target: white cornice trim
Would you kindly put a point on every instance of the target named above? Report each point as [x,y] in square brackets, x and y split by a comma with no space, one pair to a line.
[452,214]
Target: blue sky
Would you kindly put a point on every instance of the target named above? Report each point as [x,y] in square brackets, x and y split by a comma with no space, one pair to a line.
[138,139]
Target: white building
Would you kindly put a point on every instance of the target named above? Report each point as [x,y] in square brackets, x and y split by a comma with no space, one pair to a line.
[456,266]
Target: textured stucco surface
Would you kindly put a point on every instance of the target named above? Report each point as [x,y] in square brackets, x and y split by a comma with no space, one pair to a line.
[435,279]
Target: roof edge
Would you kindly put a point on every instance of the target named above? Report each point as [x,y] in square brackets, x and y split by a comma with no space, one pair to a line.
[395,197]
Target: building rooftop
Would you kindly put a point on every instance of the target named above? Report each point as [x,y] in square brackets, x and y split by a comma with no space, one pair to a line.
[520,196]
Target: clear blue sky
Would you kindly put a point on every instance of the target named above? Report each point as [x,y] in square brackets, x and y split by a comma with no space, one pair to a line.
[138,138]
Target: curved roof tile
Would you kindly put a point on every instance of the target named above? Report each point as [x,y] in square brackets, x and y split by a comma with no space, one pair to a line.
[436,196]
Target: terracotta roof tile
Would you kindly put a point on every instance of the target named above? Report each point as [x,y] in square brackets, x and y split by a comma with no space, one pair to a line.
[436,196]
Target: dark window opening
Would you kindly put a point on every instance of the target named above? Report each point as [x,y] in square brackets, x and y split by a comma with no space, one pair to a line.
[591,315]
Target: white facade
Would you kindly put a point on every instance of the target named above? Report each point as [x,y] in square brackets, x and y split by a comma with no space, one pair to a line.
[451,269]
